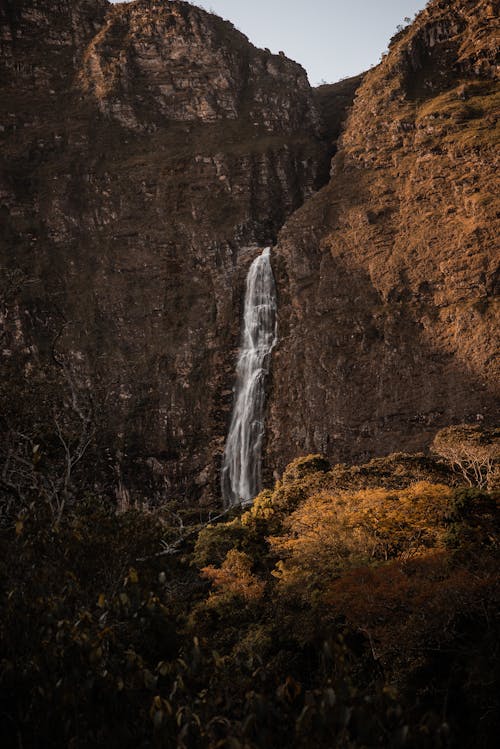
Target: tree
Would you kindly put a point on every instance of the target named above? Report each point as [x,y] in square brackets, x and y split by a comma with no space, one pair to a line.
[38,461]
[334,531]
[235,577]
[472,451]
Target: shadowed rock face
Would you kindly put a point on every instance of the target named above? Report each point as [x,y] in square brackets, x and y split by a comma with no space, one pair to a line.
[149,150]
[158,61]
[388,276]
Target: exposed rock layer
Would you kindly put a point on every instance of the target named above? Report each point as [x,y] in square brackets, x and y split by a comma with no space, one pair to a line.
[389,275]
[148,149]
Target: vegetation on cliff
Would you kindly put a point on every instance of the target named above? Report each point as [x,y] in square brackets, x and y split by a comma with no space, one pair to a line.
[149,150]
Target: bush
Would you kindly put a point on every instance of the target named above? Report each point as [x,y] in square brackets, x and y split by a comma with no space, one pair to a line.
[472,451]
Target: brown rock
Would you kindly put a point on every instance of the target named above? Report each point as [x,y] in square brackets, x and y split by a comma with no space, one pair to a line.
[148,149]
[388,276]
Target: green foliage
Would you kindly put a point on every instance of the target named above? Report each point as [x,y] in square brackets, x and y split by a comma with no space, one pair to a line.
[79,625]
[474,520]
[214,541]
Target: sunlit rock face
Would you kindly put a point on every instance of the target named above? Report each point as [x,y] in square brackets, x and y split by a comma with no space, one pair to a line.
[388,276]
[149,151]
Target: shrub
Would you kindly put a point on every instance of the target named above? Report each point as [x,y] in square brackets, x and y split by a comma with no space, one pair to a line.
[472,451]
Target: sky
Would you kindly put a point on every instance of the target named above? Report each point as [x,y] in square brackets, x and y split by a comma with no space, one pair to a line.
[332,39]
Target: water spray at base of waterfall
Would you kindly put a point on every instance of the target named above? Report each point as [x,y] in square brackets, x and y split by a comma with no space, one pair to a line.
[241,467]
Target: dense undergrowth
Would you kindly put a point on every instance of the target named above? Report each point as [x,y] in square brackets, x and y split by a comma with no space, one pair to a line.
[349,607]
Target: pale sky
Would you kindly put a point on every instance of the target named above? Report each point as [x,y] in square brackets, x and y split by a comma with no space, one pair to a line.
[332,39]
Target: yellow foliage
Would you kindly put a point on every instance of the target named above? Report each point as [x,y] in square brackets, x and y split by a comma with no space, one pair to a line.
[305,466]
[235,577]
[261,509]
[331,531]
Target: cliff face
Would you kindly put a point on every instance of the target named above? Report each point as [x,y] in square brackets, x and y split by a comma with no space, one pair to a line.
[158,61]
[388,276]
[148,149]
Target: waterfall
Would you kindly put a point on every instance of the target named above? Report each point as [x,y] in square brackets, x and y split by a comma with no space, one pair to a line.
[241,468]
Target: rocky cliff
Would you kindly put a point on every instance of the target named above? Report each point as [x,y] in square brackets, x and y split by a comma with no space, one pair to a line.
[148,149]
[389,275]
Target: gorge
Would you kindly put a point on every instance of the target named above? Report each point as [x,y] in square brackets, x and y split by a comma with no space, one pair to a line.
[146,146]
[249,443]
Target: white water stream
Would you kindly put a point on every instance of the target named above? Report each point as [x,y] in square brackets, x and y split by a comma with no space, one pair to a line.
[241,467]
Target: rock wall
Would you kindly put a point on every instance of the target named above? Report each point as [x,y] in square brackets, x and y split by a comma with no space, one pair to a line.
[388,277]
[148,150]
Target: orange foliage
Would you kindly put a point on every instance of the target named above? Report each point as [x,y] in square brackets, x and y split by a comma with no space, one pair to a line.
[405,605]
[331,532]
[235,577]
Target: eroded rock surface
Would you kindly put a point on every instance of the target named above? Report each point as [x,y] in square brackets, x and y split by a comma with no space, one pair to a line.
[148,151]
[389,275]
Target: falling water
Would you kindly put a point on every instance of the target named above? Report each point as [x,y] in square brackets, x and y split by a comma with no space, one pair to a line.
[241,468]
